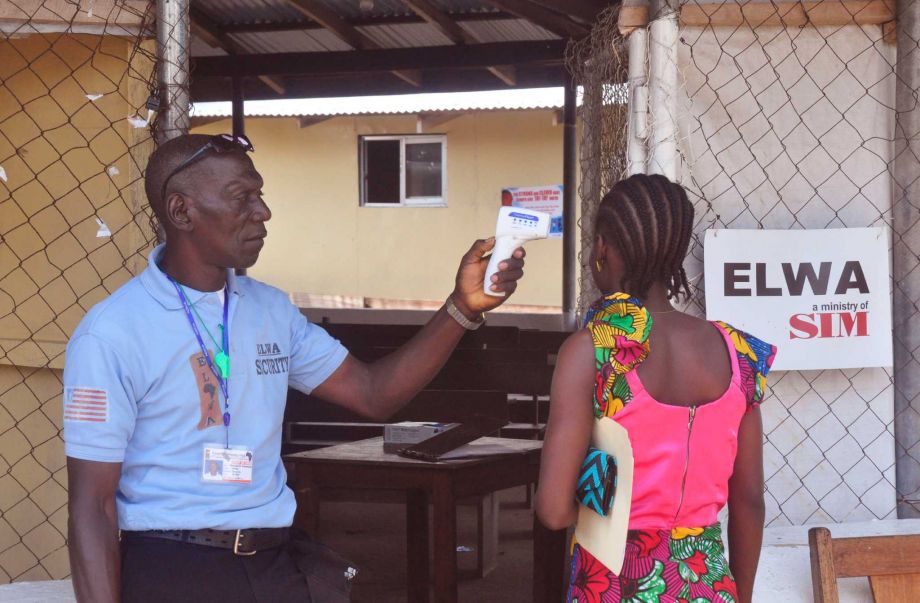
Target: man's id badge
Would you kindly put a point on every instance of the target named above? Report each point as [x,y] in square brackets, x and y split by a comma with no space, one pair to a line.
[222,465]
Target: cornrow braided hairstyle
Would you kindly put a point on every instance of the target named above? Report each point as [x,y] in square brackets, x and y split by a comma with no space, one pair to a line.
[649,220]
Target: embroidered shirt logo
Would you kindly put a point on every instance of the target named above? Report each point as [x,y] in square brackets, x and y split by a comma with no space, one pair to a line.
[271,360]
[86,404]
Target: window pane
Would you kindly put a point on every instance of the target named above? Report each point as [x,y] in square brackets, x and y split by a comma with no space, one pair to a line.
[423,169]
[381,171]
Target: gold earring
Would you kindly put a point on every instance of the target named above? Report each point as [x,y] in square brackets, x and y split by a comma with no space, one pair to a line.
[599,264]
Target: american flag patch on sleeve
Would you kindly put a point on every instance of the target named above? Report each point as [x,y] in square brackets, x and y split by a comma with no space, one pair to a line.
[86,404]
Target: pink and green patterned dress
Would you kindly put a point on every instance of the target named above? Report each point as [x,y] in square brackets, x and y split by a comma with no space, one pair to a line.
[683,459]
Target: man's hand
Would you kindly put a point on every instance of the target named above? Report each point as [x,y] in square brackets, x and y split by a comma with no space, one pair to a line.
[468,294]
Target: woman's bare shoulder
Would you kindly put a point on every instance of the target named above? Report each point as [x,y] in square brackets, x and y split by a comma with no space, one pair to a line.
[580,340]
[576,355]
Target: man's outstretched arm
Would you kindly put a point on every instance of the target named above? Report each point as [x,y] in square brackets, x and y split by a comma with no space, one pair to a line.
[381,388]
[92,528]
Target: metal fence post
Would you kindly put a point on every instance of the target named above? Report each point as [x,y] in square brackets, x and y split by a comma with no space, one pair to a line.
[173,38]
[906,265]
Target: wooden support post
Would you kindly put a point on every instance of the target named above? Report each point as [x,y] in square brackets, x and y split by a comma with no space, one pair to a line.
[569,257]
[239,116]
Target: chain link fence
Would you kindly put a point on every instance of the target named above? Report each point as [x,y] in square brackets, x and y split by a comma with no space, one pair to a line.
[786,120]
[598,64]
[74,139]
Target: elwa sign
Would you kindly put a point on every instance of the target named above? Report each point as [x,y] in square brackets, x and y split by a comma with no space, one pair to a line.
[821,296]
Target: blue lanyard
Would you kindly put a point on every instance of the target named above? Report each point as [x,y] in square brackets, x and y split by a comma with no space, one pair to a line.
[225,340]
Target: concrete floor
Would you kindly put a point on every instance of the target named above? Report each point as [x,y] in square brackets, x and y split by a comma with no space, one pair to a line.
[373,536]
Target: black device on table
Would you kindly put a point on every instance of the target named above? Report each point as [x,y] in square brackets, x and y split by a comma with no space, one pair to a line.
[433,448]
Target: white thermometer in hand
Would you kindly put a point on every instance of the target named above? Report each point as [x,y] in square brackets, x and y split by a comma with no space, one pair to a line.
[515,227]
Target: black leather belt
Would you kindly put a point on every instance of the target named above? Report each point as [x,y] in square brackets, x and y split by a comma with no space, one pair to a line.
[241,542]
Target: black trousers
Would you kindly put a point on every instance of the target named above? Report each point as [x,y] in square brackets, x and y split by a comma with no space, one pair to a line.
[162,571]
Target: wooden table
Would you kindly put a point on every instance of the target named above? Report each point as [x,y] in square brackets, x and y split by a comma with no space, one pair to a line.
[364,465]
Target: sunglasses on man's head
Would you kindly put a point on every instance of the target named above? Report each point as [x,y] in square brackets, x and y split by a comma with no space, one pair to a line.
[219,143]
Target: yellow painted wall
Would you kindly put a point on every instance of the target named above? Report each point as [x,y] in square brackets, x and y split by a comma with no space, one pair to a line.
[57,148]
[68,161]
[321,241]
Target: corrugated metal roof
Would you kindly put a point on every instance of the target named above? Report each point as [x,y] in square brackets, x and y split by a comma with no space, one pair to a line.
[226,12]
[495,100]
[392,35]
[201,49]
[249,11]
[306,40]
[406,35]
[352,9]
[507,30]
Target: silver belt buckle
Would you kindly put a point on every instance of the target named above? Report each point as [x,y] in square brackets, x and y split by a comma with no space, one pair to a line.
[236,546]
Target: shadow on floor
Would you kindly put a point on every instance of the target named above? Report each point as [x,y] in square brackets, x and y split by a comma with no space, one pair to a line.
[373,536]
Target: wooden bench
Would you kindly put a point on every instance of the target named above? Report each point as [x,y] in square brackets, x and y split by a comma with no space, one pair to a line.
[527,386]
[471,355]
[393,336]
[892,564]
[525,374]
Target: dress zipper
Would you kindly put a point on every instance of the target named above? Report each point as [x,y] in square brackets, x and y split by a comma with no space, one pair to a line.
[683,481]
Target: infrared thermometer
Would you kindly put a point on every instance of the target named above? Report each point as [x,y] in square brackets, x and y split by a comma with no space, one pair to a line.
[515,226]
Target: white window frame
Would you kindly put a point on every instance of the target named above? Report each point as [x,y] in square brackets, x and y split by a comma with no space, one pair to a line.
[403,140]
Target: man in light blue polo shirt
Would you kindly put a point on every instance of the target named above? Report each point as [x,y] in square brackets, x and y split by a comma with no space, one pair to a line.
[175,389]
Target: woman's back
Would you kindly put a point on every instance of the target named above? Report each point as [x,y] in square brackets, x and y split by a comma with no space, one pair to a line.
[688,361]
[685,391]
[681,401]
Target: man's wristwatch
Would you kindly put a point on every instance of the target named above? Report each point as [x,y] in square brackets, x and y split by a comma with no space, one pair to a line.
[457,315]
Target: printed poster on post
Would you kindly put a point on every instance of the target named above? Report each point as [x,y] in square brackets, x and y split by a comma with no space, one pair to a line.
[547,199]
[821,296]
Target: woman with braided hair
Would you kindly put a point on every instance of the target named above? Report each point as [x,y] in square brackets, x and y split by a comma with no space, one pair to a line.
[687,393]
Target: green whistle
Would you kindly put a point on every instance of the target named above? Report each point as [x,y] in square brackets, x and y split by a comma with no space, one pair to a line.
[223,364]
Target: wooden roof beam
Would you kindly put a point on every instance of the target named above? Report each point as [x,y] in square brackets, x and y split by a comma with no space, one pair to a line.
[789,14]
[548,19]
[441,21]
[400,19]
[359,84]
[472,56]
[322,14]
[456,34]
[410,76]
[349,34]
[506,73]
[203,27]
[585,10]
[124,13]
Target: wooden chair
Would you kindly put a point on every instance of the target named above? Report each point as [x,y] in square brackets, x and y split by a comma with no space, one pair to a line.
[892,564]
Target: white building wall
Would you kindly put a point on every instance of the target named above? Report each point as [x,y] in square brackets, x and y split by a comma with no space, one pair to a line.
[792,128]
